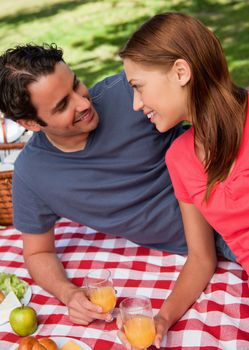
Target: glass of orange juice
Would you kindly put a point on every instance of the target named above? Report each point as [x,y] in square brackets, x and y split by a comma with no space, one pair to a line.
[138,322]
[100,289]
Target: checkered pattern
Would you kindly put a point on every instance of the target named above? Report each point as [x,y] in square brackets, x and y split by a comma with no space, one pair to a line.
[218,320]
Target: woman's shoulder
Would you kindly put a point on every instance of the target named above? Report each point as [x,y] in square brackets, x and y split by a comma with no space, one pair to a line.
[180,151]
[181,145]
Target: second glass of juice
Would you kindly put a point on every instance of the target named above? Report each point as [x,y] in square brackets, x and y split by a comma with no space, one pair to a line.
[138,321]
[100,289]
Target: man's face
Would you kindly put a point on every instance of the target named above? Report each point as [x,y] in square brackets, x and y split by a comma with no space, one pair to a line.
[63,102]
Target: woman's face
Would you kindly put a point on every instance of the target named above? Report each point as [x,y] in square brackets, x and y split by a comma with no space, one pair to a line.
[161,96]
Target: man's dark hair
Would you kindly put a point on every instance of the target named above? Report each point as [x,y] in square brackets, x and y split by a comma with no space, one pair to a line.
[19,67]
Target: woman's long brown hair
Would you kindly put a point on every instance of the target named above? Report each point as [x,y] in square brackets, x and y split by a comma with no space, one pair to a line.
[216,105]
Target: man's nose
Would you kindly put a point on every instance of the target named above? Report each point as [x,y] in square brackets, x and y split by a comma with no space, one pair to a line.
[81,102]
[137,103]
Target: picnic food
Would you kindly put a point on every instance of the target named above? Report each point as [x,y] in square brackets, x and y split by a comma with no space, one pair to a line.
[71,345]
[10,282]
[23,320]
[2,296]
[31,343]
[47,344]
[27,343]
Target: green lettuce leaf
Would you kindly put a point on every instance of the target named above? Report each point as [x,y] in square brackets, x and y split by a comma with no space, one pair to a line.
[10,282]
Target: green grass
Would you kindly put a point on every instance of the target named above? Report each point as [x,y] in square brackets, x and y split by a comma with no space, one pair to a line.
[92,32]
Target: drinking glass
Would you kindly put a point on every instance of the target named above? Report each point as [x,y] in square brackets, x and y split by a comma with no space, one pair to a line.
[100,289]
[138,322]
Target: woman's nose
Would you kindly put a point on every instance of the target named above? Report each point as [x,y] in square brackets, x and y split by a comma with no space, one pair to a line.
[137,103]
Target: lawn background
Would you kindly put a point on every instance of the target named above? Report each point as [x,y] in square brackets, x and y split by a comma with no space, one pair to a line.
[92,32]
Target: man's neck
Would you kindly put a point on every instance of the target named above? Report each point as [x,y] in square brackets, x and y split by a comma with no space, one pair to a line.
[73,144]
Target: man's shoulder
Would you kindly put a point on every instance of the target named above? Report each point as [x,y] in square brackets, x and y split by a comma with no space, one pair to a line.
[111,84]
[29,155]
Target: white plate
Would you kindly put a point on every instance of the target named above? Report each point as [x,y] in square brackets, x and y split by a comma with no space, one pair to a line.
[27,295]
[60,341]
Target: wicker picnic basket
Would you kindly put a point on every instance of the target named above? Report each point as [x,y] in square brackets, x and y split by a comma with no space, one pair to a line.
[6,208]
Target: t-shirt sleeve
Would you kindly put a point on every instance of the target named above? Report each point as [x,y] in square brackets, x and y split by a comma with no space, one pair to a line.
[176,165]
[31,214]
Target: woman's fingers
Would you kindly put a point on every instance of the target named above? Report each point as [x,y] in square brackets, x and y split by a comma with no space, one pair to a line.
[119,322]
[162,327]
[124,340]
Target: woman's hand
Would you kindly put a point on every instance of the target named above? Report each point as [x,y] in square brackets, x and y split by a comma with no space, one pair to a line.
[162,327]
[161,324]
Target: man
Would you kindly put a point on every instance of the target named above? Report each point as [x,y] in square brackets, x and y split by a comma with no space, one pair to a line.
[91,159]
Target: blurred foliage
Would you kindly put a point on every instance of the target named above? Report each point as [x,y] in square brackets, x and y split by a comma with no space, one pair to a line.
[92,32]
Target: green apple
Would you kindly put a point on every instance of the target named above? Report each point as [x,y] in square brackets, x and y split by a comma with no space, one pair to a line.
[23,320]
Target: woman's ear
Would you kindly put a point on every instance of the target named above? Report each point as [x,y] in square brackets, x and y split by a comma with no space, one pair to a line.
[183,71]
[28,124]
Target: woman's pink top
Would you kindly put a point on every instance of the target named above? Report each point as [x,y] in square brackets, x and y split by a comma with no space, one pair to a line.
[227,210]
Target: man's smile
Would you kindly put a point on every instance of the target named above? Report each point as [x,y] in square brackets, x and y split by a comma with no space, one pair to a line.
[85,116]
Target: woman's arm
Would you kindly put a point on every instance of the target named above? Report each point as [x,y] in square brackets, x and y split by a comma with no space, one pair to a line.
[194,276]
[196,272]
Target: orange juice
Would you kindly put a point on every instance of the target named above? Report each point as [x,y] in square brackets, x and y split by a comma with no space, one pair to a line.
[104,297]
[140,331]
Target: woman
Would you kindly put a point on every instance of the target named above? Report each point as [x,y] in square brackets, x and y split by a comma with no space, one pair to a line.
[178,71]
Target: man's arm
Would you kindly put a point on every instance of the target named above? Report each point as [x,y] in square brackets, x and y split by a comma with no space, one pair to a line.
[48,272]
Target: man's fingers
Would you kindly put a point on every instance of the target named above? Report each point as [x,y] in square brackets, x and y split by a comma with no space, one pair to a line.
[81,310]
[76,320]
[91,307]
[87,304]
[88,314]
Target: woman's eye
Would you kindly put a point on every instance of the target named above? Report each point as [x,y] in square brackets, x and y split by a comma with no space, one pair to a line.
[76,84]
[137,88]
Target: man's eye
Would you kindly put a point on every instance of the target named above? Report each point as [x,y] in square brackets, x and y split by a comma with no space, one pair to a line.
[63,106]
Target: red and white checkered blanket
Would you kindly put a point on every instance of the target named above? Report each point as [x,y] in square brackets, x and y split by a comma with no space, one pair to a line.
[218,320]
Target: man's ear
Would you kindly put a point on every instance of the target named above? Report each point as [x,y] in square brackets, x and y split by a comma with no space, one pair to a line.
[183,71]
[28,124]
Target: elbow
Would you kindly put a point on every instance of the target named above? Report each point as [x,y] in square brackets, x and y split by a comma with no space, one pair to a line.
[206,264]
[209,265]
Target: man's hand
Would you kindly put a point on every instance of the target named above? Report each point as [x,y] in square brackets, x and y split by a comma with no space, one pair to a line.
[48,272]
[81,310]
[161,324]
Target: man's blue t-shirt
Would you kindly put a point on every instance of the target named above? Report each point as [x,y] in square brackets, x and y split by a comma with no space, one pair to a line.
[118,184]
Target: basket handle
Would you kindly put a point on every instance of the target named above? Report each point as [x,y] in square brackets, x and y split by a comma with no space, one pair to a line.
[4,130]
